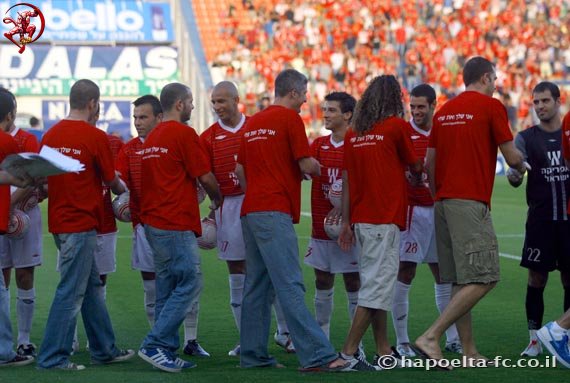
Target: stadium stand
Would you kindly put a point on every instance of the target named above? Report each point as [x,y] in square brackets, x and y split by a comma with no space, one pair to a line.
[342,45]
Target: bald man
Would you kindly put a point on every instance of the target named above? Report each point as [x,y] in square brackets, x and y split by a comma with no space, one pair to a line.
[221,142]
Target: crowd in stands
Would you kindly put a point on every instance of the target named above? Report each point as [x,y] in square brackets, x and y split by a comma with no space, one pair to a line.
[342,45]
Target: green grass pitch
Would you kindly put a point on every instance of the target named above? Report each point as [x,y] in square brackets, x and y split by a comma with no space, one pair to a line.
[499,320]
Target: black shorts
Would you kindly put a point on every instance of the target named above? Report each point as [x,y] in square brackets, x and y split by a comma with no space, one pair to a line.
[546,245]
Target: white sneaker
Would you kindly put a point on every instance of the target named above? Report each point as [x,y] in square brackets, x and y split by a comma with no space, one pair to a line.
[556,342]
[235,351]
[533,349]
[404,349]
[284,340]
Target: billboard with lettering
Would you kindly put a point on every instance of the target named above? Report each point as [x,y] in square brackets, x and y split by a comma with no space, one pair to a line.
[119,71]
[114,116]
[132,21]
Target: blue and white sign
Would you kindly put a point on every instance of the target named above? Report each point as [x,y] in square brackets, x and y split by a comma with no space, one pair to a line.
[102,20]
[126,71]
[114,116]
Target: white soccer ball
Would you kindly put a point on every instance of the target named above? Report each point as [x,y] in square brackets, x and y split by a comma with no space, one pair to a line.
[335,193]
[29,202]
[19,224]
[121,207]
[209,236]
[333,228]
[201,193]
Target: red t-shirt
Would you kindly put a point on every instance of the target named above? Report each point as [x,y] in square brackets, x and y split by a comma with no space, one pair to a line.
[108,223]
[419,195]
[376,163]
[7,146]
[75,203]
[221,144]
[566,141]
[26,141]
[129,165]
[330,155]
[172,159]
[466,133]
[273,143]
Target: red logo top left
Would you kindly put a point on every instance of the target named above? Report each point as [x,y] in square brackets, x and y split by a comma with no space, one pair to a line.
[23,25]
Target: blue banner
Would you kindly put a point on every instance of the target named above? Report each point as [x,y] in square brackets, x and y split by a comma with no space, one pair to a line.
[114,116]
[119,71]
[131,21]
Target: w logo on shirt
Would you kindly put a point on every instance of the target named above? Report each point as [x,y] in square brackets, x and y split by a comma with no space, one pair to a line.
[554,157]
[333,174]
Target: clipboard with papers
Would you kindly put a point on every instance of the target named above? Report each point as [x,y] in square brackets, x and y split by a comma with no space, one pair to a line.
[48,162]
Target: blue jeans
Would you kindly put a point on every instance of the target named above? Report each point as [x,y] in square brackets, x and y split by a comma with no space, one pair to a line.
[272,267]
[79,288]
[6,343]
[178,282]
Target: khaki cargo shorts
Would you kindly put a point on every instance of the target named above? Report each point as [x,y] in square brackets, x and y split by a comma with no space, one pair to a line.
[466,242]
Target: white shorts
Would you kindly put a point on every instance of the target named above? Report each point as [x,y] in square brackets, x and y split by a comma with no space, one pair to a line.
[141,256]
[229,235]
[378,264]
[326,255]
[105,253]
[25,251]
[417,243]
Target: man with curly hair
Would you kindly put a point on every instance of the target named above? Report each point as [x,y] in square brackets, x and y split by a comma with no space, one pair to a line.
[377,149]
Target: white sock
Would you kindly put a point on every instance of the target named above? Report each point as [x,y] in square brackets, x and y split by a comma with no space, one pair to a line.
[75,338]
[442,298]
[25,305]
[191,321]
[236,296]
[149,287]
[400,309]
[323,309]
[282,327]
[352,297]
[532,335]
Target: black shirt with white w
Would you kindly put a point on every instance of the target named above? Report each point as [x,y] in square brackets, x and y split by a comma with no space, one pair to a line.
[548,183]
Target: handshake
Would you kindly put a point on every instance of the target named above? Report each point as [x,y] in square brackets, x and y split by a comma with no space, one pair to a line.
[516,176]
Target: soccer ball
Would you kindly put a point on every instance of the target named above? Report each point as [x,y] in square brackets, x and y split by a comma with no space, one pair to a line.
[201,193]
[29,202]
[209,237]
[335,193]
[19,224]
[333,229]
[121,207]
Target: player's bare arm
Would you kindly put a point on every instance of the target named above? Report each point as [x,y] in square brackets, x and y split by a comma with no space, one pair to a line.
[210,184]
[117,186]
[240,174]
[346,237]
[310,165]
[430,170]
[513,156]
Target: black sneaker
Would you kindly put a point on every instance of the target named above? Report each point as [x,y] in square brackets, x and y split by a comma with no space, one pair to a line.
[359,363]
[388,362]
[27,350]
[18,361]
[193,348]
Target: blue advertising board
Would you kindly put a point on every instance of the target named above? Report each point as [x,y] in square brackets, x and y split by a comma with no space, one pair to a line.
[125,71]
[114,116]
[132,21]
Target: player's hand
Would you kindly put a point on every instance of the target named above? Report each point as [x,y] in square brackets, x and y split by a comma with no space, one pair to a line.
[514,176]
[346,237]
[216,203]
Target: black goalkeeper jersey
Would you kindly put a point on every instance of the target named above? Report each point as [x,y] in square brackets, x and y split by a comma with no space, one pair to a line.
[548,183]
